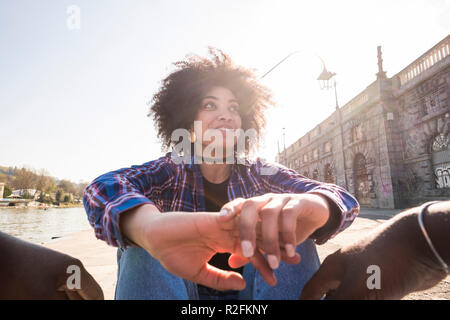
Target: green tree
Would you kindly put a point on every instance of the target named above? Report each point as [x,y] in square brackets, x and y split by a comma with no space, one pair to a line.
[59,194]
[67,198]
[7,191]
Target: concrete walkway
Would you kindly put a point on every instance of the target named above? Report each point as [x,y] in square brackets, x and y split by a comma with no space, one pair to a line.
[100,259]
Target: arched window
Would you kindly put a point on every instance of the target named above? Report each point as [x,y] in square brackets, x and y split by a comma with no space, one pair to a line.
[361,179]
[440,158]
[329,177]
[315,174]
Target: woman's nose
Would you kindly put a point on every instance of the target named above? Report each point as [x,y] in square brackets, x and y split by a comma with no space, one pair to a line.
[225,115]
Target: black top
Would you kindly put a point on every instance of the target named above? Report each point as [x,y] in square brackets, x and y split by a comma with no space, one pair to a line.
[215,197]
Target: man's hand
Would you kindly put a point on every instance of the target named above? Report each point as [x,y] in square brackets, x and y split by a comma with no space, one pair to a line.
[29,271]
[277,223]
[396,248]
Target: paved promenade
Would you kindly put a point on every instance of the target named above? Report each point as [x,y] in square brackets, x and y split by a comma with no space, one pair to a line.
[100,259]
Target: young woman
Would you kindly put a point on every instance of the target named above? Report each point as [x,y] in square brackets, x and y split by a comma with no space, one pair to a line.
[170,217]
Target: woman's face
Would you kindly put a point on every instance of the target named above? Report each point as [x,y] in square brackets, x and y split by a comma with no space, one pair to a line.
[219,110]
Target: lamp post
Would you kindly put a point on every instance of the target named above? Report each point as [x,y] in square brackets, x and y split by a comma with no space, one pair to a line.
[325,83]
[324,80]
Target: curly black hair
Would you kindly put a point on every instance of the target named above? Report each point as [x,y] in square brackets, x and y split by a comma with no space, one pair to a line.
[178,100]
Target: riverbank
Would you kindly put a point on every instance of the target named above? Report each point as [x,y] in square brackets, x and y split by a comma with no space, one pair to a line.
[100,259]
[45,207]
[39,225]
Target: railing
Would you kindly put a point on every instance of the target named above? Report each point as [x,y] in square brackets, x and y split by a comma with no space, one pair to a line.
[360,99]
[426,61]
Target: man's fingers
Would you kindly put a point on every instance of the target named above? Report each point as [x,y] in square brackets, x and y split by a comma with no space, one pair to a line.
[327,278]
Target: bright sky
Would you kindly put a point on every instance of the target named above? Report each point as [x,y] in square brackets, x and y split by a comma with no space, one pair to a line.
[73,101]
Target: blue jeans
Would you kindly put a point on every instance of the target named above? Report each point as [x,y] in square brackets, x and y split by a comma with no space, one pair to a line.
[140,276]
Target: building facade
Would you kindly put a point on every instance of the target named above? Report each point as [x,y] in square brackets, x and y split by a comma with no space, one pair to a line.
[389,145]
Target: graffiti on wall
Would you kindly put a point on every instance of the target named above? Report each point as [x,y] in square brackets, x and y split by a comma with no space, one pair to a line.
[442,176]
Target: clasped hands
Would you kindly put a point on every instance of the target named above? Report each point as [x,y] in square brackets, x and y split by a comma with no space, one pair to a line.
[271,224]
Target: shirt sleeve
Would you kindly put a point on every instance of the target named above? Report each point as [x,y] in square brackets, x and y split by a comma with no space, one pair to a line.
[279,179]
[116,192]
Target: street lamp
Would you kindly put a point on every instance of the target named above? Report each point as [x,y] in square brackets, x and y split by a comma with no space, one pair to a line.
[324,78]
[325,84]
[325,81]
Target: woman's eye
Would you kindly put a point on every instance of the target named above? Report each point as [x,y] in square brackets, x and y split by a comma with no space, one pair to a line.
[209,105]
[234,108]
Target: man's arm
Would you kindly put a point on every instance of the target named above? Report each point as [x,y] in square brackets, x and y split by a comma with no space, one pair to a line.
[29,271]
[398,247]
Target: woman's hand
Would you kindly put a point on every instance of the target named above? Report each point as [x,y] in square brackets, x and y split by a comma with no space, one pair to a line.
[277,223]
[184,242]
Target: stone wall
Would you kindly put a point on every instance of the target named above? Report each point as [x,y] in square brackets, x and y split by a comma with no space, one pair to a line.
[395,137]
[424,119]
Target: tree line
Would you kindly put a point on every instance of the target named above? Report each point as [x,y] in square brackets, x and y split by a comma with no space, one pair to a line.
[49,188]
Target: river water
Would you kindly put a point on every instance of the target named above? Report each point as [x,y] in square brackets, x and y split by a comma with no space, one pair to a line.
[39,226]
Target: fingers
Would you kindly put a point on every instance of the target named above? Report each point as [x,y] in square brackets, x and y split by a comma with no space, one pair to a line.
[327,278]
[269,228]
[231,209]
[288,226]
[260,264]
[248,219]
[219,279]
[236,261]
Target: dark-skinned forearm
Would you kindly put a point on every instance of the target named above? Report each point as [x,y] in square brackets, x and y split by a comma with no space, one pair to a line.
[436,220]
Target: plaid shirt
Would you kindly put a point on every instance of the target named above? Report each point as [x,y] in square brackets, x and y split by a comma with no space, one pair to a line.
[179,187]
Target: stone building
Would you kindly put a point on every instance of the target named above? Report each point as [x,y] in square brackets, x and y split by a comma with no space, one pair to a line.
[389,145]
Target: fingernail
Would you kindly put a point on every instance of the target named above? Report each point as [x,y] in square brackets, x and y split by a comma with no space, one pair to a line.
[224,211]
[290,250]
[247,248]
[273,261]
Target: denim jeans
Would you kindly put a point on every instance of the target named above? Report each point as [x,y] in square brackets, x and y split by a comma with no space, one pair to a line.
[140,276]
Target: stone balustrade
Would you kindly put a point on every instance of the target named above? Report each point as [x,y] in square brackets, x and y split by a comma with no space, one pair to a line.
[426,61]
